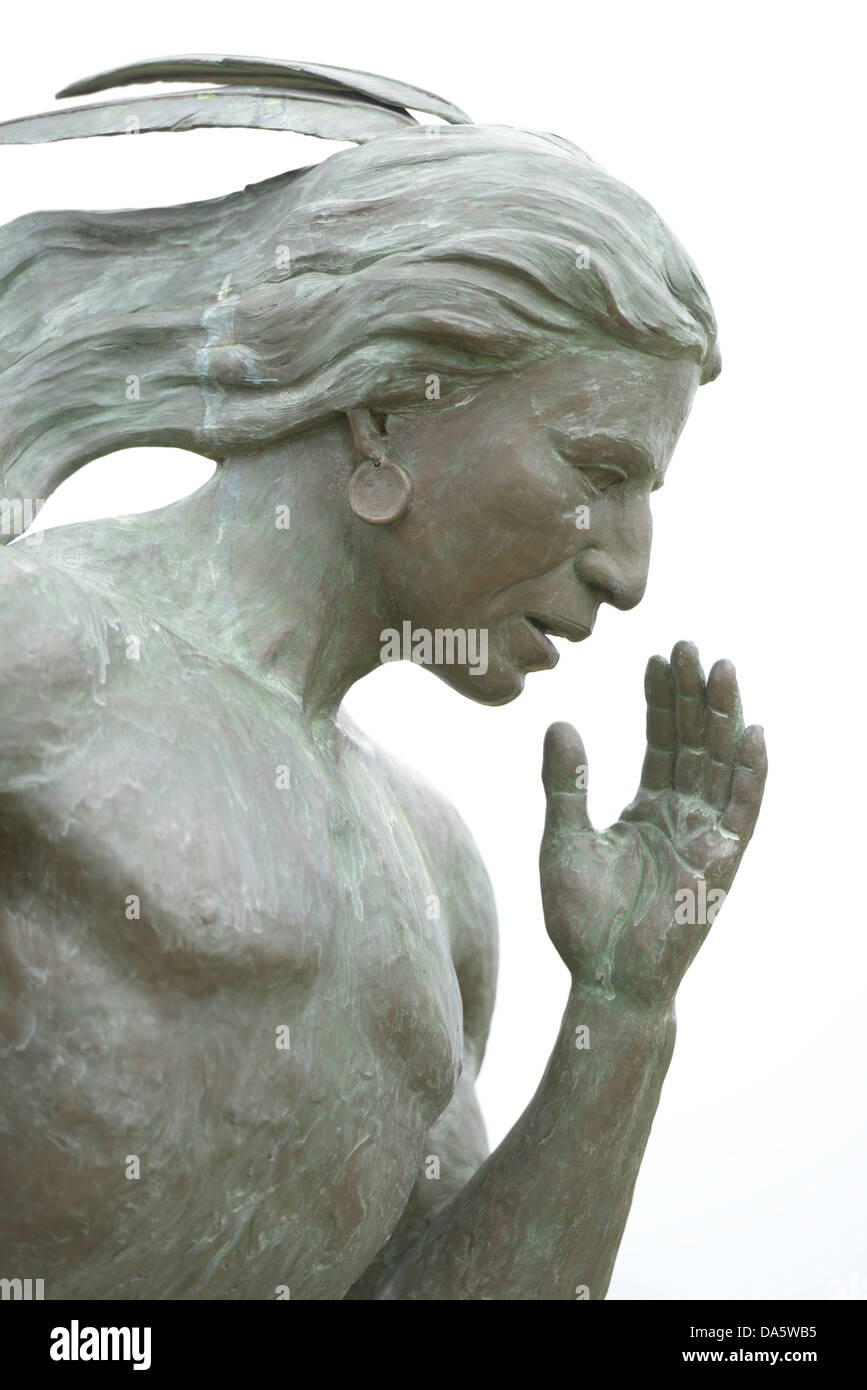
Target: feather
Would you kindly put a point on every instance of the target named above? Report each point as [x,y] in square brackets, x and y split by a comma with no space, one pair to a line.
[262,72]
[338,116]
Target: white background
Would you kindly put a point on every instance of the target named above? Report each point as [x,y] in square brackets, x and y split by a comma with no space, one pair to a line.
[738,123]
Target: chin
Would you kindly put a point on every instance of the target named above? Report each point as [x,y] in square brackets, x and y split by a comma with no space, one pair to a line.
[498,686]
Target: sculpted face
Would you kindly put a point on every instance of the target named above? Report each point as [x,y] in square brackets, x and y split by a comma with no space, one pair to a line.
[530,508]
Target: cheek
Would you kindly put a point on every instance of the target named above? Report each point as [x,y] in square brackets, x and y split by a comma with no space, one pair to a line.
[549,518]
[512,515]
[535,501]
[525,536]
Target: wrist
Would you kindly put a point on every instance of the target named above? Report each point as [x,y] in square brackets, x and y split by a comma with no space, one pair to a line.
[603,1003]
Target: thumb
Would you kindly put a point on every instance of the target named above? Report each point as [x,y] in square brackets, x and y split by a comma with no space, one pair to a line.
[564,777]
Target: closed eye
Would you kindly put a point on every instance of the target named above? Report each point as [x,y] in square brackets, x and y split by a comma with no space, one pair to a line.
[603,460]
[602,476]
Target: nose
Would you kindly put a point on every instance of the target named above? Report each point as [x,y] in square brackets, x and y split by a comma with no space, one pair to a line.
[616,565]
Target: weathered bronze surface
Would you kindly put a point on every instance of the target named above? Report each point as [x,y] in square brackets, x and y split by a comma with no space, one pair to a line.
[248,960]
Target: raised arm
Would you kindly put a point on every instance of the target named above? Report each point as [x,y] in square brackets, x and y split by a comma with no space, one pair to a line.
[627,909]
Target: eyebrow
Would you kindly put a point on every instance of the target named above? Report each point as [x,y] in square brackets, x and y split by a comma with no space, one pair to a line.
[600,448]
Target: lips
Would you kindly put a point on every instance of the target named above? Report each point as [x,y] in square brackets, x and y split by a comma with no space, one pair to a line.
[543,628]
[558,627]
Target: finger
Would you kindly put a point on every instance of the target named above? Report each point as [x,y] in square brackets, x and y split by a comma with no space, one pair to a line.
[564,777]
[748,784]
[689,718]
[659,757]
[725,725]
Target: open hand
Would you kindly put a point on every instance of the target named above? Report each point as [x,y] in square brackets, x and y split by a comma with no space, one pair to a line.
[628,907]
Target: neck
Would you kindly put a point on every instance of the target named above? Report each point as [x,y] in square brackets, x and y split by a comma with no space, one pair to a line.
[264,567]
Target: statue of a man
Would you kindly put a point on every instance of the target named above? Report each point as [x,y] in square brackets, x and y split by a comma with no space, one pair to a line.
[249,959]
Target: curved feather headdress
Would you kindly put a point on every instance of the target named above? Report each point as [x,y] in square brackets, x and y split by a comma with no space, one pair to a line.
[264,94]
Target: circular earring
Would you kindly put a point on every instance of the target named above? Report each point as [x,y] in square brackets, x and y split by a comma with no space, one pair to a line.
[379,491]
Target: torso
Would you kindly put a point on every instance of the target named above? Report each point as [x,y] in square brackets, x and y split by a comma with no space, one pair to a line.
[229,956]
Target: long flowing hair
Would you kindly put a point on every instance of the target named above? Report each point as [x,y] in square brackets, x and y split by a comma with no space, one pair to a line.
[450,250]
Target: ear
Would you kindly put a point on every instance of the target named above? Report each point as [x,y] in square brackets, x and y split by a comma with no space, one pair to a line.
[369,433]
[379,489]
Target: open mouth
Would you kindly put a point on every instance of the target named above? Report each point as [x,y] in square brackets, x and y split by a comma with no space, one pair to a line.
[558,627]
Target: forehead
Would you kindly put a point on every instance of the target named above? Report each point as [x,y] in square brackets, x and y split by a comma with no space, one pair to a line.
[619,392]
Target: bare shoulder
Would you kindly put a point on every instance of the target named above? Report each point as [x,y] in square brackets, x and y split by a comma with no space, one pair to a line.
[459,881]
[51,619]
[57,636]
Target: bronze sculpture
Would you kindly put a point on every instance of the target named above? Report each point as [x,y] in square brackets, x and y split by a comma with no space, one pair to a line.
[250,960]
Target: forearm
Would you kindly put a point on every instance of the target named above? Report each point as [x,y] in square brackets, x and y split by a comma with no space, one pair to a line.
[542,1218]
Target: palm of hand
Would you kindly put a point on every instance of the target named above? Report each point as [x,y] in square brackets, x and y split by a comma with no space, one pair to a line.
[627,908]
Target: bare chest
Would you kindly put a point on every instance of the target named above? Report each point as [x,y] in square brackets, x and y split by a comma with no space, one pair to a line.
[239,954]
